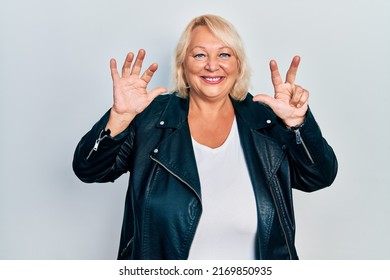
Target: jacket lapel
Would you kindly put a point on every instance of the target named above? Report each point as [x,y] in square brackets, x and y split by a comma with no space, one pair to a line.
[263,156]
[175,152]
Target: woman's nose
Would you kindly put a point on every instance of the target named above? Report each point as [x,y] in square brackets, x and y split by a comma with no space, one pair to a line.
[212,64]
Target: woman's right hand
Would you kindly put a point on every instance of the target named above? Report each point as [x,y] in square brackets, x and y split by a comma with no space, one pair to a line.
[130,94]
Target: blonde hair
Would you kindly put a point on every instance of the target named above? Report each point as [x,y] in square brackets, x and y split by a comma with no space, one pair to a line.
[224,31]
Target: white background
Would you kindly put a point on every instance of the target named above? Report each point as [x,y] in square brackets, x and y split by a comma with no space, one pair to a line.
[55,83]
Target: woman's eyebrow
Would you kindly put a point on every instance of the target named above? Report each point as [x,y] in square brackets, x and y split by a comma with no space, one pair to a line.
[202,47]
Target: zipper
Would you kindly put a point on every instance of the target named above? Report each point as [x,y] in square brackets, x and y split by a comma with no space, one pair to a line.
[127,246]
[180,179]
[299,141]
[97,142]
[280,221]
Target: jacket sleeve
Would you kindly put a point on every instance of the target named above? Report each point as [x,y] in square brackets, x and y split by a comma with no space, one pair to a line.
[314,164]
[101,158]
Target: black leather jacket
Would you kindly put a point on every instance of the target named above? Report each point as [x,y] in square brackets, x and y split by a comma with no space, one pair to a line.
[164,200]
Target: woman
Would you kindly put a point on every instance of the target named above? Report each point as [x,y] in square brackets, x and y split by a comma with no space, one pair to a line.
[211,167]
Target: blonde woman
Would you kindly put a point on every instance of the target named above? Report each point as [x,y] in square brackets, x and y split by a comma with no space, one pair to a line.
[212,168]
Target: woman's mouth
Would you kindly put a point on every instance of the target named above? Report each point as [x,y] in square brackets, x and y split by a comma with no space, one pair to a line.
[212,80]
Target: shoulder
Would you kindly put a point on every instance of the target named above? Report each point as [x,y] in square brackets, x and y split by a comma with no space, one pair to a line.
[158,104]
[162,100]
[165,107]
[165,99]
[256,114]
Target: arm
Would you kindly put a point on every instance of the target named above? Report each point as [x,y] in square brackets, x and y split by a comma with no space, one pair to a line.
[102,154]
[130,94]
[101,158]
[313,161]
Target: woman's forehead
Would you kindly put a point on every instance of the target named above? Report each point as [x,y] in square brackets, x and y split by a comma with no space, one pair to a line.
[201,37]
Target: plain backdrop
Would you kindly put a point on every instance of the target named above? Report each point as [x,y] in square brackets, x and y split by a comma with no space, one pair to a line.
[55,84]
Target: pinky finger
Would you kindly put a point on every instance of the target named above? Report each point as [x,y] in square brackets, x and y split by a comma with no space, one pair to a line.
[296,96]
[304,98]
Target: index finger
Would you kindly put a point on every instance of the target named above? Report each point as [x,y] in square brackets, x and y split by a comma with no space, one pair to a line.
[292,71]
[275,75]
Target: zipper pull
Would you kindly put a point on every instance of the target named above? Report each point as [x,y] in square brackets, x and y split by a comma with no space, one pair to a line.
[95,147]
[299,141]
[97,142]
[100,138]
[298,137]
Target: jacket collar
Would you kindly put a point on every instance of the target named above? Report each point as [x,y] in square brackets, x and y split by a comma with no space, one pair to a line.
[256,115]
[175,112]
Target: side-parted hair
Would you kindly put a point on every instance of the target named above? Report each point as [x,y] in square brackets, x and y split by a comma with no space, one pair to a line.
[224,31]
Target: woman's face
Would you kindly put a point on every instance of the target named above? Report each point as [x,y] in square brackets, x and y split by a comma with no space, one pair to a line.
[210,67]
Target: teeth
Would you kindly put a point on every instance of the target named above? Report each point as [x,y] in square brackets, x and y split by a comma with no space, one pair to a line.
[213,79]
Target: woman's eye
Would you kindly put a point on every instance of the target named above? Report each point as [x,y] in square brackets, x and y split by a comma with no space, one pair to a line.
[225,55]
[199,56]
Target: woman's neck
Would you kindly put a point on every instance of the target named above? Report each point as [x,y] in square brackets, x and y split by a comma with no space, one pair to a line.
[210,122]
[210,109]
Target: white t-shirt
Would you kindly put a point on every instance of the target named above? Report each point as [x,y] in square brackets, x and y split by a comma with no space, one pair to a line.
[228,224]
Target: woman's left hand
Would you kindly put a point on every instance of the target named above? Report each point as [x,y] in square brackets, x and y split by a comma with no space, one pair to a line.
[290,102]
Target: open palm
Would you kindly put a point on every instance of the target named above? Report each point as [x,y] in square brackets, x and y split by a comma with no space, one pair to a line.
[130,93]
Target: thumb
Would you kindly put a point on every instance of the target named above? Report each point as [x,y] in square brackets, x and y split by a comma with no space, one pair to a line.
[266,99]
[156,92]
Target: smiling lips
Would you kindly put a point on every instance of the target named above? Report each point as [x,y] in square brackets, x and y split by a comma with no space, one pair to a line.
[213,80]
